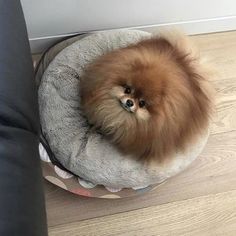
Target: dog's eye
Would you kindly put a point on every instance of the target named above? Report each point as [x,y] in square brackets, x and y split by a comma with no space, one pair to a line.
[127,90]
[142,103]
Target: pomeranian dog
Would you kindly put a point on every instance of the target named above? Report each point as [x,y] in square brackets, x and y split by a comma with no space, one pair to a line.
[151,99]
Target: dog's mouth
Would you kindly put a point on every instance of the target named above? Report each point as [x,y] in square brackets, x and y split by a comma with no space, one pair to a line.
[127,108]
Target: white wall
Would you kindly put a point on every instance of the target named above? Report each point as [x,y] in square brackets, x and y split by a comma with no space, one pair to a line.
[47,18]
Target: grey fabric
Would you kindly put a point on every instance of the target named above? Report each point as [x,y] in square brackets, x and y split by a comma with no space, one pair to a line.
[80,149]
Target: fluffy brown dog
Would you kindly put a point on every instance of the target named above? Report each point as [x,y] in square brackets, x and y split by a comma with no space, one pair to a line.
[151,99]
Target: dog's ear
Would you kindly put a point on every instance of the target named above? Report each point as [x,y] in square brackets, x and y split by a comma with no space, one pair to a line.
[180,41]
[183,43]
[186,46]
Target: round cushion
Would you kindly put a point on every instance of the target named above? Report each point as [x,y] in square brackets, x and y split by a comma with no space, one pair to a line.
[78,148]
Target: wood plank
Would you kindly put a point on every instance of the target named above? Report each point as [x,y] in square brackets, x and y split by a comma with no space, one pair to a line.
[224,120]
[215,41]
[205,216]
[219,50]
[213,172]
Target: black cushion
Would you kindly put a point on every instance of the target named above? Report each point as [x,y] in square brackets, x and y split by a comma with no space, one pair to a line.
[22,208]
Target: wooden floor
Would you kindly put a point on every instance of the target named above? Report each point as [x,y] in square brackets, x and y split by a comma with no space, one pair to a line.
[200,201]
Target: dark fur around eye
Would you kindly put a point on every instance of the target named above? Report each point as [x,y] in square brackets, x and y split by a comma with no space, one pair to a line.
[127,90]
[142,103]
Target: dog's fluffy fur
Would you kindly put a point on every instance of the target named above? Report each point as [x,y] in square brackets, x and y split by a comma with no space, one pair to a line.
[164,72]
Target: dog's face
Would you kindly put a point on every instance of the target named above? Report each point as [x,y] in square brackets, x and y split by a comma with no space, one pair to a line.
[145,98]
[142,89]
[137,94]
[131,100]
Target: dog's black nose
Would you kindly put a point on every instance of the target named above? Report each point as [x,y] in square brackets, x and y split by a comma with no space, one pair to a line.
[129,103]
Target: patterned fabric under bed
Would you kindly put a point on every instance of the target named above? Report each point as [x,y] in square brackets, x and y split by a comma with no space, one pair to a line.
[72,183]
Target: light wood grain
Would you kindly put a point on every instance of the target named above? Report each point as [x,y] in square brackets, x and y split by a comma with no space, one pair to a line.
[224,119]
[201,216]
[212,172]
[200,201]
[220,50]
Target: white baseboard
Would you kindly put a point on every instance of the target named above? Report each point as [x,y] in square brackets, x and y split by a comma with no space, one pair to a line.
[202,26]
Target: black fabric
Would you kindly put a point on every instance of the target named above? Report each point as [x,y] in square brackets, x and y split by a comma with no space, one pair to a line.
[22,208]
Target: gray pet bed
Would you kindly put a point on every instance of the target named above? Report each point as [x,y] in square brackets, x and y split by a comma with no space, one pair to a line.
[78,148]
